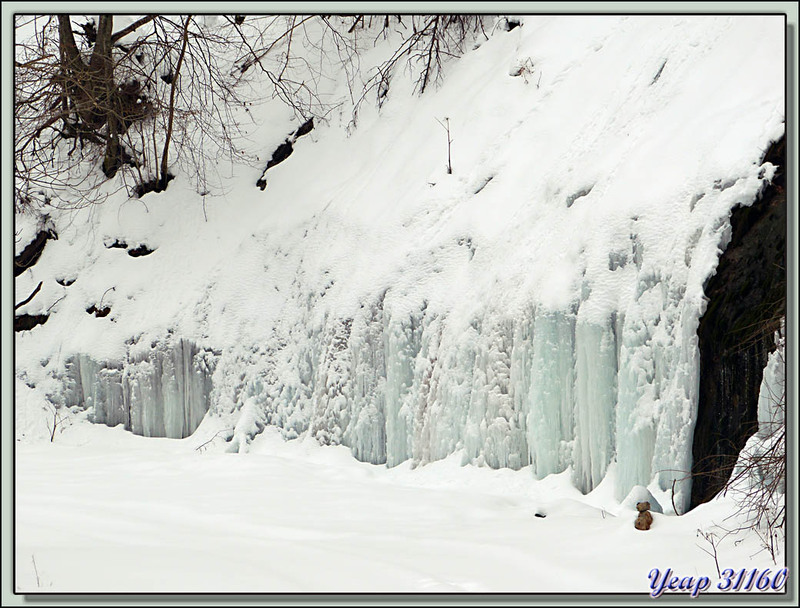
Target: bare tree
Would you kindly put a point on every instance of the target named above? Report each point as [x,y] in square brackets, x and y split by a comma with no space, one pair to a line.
[85,92]
[166,91]
[427,41]
[422,43]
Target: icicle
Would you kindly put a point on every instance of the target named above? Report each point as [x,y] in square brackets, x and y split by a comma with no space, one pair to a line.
[403,342]
[551,400]
[163,394]
[595,401]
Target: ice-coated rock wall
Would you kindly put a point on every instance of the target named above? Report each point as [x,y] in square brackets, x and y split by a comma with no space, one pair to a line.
[538,306]
[550,389]
[162,393]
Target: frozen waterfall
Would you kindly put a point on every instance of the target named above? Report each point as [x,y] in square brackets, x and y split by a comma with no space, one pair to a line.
[578,389]
[163,393]
[550,389]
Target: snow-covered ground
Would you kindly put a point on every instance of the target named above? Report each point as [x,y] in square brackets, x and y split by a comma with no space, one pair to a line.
[101,510]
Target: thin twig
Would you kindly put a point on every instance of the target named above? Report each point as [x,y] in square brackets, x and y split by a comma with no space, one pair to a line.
[674,508]
[35,570]
[217,434]
[30,297]
[449,141]
[54,303]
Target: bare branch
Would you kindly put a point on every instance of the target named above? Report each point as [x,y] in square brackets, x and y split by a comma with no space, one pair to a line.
[171,112]
[132,27]
[29,298]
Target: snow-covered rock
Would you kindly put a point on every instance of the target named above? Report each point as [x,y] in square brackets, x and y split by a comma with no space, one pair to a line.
[641,494]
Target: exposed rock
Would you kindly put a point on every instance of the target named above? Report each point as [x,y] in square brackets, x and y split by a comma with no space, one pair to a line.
[281,153]
[139,251]
[26,322]
[305,128]
[285,150]
[98,312]
[747,299]
[579,194]
[157,184]
[33,251]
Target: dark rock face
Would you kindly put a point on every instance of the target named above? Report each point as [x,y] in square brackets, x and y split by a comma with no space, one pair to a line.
[747,299]
[305,128]
[285,150]
[281,153]
[157,184]
[98,312]
[28,322]
[140,251]
[31,254]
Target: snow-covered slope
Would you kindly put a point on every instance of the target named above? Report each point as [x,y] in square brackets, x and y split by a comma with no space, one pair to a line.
[537,306]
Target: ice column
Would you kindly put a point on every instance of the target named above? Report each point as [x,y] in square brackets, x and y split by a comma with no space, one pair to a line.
[366,434]
[551,399]
[672,460]
[403,342]
[595,401]
[504,444]
[638,403]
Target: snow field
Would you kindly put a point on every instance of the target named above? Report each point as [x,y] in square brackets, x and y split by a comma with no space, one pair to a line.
[101,510]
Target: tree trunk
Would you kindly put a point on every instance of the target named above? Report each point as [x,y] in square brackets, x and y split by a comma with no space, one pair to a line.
[66,39]
[71,62]
[101,73]
[90,90]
